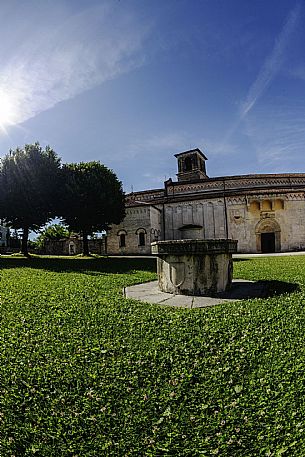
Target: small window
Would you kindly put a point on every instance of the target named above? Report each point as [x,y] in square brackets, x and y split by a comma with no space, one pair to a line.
[141,239]
[122,240]
[254,206]
[279,204]
[267,205]
[188,164]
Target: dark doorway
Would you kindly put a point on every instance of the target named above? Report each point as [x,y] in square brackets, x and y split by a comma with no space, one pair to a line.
[268,242]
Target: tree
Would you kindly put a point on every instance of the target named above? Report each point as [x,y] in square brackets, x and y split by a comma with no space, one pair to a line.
[93,199]
[52,232]
[30,182]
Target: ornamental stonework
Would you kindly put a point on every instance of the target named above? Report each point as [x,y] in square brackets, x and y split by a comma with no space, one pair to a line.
[298,196]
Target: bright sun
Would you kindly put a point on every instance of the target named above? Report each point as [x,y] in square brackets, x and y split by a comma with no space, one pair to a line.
[7,110]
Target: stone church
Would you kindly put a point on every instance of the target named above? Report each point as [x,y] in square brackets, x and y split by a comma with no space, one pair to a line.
[264,212]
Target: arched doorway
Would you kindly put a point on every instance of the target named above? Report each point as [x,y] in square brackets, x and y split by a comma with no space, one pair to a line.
[268,236]
[268,242]
[72,248]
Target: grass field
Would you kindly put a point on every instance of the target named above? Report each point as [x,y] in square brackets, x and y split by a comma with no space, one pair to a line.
[85,372]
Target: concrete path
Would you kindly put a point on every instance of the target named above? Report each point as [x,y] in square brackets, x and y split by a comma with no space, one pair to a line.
[240,290]
[273,254]
[235,256]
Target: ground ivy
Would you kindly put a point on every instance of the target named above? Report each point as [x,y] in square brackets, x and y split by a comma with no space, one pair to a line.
[85,372]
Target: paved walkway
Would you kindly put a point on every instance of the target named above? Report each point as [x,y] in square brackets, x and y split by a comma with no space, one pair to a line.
[235,256]
[274,254]
[240,290]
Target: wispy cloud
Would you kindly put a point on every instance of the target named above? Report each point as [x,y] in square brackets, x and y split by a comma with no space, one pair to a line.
[277,135]
[152,148]
[62,55]
[164,142]
[272,63]
[154,156]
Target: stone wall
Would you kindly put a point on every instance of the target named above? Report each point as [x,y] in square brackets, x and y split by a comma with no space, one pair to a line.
[3,236]
[207,215]
[73,246]
[141,219]
[281,214]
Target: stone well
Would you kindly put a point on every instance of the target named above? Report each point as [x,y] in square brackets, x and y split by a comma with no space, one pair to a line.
[194,267]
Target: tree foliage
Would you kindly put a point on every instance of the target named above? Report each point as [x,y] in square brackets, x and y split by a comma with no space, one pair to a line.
[93,199]
[52,232]
[35,189]
[31,183]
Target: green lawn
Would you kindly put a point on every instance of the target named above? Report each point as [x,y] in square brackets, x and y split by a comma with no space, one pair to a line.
[85,372]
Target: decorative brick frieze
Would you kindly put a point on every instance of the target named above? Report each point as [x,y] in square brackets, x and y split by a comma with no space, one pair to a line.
[295,196]
[235,200]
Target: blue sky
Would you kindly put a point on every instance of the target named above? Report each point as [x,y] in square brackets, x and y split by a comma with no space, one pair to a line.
[132,82]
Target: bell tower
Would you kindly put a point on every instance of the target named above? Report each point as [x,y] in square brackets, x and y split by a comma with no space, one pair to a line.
[191,165]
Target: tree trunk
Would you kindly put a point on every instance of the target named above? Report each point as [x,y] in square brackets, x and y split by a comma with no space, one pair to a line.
[85,243]
[24,242]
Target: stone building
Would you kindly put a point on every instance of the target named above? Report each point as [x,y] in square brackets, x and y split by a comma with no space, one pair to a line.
[4,235]
[73,246]
[264,212]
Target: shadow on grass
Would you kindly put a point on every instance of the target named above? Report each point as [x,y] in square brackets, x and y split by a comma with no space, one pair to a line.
[241,290]
[104,265]
[93,265]
[241,260]
[280,287]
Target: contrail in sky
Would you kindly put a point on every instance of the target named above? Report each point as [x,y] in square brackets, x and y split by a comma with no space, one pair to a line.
[272,64]
[269,69]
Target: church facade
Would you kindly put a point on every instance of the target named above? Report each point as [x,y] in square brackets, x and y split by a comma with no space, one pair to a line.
[264,212]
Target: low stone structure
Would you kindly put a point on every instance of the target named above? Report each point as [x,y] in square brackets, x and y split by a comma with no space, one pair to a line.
[73,246]
[4,235]
[194,267]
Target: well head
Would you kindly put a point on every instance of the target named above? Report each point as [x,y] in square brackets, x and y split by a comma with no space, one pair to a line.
[196,247]
[194,267]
